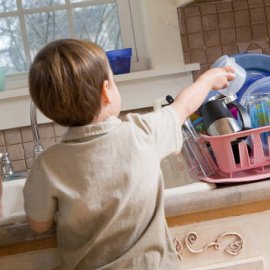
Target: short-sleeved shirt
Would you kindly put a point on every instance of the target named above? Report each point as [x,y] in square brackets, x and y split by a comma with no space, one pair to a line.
[104,186]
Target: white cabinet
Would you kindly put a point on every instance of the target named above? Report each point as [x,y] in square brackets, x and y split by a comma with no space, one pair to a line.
[248,264]
[45,259]
[230,243]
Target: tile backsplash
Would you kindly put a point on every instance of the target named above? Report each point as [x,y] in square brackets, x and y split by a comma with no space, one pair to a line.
[212,29]
[18,142]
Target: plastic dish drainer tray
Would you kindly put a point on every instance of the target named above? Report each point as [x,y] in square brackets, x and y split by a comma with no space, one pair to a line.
[251,167]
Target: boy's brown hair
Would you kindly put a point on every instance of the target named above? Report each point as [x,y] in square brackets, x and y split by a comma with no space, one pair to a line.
[65,81]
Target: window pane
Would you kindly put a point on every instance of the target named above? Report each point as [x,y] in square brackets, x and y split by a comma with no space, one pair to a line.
[99,24]
[11,48]
[8,5]
[43,3]
[45,27]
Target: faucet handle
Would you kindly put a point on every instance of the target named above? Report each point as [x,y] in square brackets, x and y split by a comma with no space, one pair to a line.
[6,165]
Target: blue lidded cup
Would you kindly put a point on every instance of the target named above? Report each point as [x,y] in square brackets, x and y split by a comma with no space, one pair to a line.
[120,60]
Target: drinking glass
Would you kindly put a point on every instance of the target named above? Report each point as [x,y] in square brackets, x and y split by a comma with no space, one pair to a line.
[258,107]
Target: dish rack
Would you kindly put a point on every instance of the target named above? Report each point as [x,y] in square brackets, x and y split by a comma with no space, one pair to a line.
[253,165]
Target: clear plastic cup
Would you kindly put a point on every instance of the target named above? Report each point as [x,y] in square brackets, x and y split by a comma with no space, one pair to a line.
[258,107]
[195,155]
[240,74]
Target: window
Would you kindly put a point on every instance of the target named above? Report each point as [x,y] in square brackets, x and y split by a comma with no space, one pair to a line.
[27,25]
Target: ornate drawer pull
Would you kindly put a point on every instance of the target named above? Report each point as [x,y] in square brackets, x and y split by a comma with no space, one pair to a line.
[233,249]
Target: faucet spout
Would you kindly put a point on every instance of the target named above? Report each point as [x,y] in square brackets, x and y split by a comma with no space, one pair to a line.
[38,148]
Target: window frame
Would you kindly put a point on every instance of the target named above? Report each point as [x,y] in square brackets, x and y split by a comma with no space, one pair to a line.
[130,18]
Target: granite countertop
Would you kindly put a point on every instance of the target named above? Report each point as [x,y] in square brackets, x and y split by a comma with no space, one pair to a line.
[175,205]
[221,197]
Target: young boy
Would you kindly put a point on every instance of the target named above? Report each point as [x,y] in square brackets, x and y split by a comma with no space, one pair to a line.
[102,183]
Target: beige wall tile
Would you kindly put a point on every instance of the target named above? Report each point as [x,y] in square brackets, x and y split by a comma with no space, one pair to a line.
[15,152]
[198,56]
[226,20]
[257,15]
[187,57]
[191,11]
[230,49]
[28,149]
[45,131]
[12,136]
[2,140]
[196,40]
[212,38]
[268,27]
[59,130]
[210,22]
[259,31]
[28,163]
[193,24]
[240,4]
[182,26]
[184,40]
[228,36]
[255,3]
[267,11]
[208,9]
[27,134]
[243,33]
[48,142]
[224,6]
[19,166]
[241,17]
[213,53]
[3,149]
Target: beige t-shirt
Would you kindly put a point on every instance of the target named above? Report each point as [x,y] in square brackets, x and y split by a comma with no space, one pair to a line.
[104,185]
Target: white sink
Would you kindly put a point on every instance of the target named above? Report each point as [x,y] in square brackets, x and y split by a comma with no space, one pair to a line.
[12,200]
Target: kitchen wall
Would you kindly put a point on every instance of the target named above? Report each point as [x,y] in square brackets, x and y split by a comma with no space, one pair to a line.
[211,29]
[18,142]
[208,30]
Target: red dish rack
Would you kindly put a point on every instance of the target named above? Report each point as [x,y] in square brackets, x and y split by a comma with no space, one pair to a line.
[251,167]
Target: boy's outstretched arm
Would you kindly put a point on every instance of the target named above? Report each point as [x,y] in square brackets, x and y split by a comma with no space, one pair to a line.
[190,99]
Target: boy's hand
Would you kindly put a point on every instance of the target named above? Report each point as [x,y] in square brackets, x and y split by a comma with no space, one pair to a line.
[218,78]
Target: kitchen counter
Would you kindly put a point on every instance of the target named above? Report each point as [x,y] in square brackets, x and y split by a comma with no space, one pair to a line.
[245,198]
[223,196]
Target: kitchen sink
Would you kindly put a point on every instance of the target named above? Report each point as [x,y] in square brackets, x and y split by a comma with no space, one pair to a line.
[13,202]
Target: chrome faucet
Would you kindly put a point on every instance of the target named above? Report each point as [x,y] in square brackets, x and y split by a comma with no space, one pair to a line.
[6,166]
[38,148]
[6,169]
[7,172]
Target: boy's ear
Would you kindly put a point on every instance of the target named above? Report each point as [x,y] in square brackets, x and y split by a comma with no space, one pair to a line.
[105,92]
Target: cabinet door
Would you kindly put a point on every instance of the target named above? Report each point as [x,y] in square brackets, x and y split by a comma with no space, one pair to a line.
[231,243]
[247,264]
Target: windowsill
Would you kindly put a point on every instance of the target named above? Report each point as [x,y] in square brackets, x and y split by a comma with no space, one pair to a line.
[137,89]
[139,75]
[156,72]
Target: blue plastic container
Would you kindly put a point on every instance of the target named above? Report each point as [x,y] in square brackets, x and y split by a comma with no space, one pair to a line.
[120,60]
